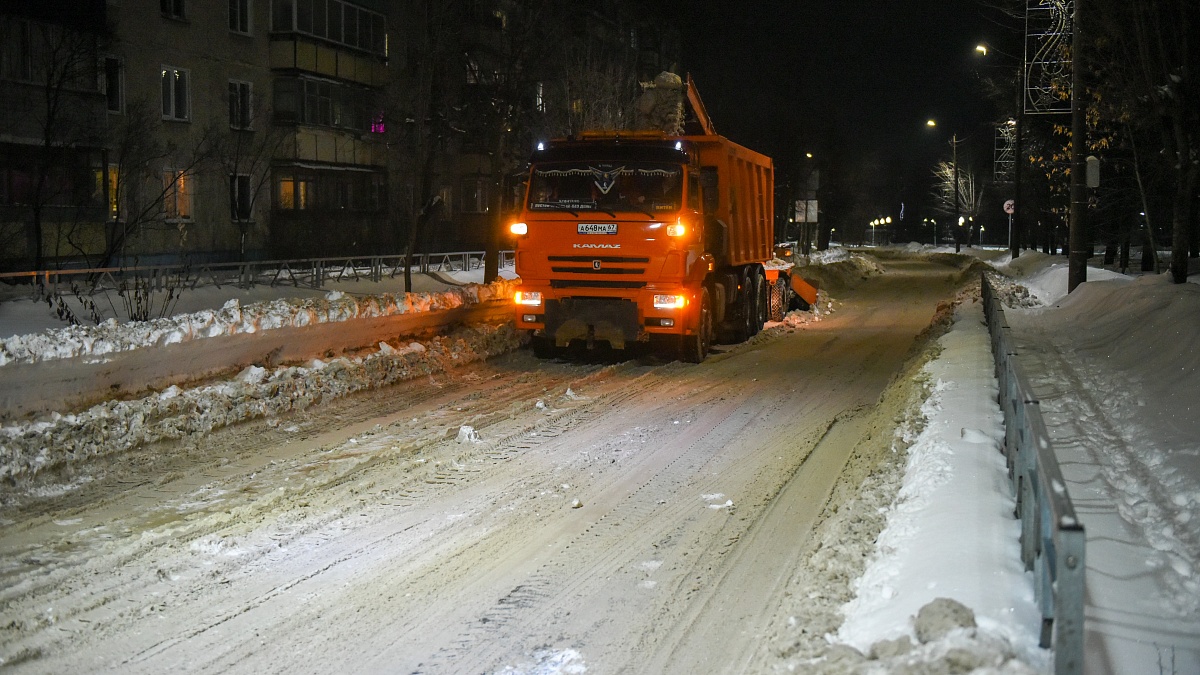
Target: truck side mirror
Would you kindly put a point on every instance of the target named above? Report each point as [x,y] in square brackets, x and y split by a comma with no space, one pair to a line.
[708,183]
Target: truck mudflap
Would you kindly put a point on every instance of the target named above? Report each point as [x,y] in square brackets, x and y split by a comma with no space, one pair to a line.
[612,320]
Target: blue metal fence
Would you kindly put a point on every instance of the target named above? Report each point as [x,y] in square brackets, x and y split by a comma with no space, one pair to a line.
[1052,538]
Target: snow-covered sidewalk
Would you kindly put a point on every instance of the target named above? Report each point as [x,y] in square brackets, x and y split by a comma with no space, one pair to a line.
[1114,365]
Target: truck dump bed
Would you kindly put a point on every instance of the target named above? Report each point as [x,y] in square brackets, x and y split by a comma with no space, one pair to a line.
[746,204]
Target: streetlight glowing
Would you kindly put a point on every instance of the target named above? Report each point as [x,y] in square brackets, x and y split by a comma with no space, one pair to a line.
[931,123]
[982,49]
[808,155]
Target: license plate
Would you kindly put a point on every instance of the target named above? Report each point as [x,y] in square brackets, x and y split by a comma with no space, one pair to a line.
[597,228]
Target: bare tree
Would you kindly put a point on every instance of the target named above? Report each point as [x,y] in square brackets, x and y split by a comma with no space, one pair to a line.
[416,116]
[53,99]
[243,157]
[969,195]
[145,197]
[598,86]
[501,100]
[1151,63]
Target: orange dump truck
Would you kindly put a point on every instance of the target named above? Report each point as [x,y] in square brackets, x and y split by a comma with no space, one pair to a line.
[636,237]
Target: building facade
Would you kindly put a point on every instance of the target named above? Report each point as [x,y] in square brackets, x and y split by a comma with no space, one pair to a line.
[168,131]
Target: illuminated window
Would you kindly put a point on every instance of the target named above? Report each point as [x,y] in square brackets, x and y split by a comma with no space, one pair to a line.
[109,180]
[295,193]
[177,194]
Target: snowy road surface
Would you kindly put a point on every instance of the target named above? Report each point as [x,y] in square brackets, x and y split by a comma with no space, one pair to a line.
[509,516]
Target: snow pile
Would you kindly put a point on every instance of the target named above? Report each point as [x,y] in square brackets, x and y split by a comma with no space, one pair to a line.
[956,480]
[234,319]
[114,427]
[1046,276]
[837,269]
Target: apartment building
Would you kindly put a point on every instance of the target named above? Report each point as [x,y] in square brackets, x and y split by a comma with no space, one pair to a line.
[167,131]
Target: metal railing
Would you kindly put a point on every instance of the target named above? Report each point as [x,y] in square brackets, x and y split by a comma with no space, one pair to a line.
[1052,538]
[308,272]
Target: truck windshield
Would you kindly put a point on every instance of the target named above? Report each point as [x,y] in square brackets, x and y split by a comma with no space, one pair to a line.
[630,186]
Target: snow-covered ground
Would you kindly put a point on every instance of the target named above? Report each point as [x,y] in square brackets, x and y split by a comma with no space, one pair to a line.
[1131,459]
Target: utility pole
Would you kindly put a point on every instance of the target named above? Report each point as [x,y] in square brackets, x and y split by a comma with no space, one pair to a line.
[957,202]
[1014,227]
[1078,240]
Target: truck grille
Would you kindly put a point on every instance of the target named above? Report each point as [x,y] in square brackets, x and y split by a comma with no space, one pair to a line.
[585,283]
[602,258]
[599,265]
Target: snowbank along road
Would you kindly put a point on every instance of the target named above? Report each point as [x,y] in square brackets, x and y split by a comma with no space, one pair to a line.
[514,515]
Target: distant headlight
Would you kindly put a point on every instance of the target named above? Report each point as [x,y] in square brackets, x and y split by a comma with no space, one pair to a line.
[669,301]
[519,229]
[531,298]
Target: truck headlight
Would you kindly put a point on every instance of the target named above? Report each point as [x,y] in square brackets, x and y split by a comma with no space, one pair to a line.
[669,301]
[519,229]
[530,298]
[676,230]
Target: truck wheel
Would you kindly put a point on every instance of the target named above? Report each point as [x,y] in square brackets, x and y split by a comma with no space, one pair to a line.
[777,302]
[695,347]
[744,318]
[760,303]
[543,347]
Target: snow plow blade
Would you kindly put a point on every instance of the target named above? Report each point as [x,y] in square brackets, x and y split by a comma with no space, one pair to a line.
[805,289]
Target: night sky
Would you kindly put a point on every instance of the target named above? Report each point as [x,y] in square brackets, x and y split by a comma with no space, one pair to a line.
[787,77]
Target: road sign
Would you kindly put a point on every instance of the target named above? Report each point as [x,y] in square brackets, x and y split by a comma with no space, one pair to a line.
[1010,206]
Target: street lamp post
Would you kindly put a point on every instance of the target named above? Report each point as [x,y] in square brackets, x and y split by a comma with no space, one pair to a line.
[1014,215]
[958,219]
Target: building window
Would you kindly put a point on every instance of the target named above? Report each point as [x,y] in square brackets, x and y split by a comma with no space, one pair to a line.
[175,98]
[172,9]
[295,193]
[325,103]
[239,104]
[114,84]
[108,190]
[177,194]
[332,20]
[318,102]
[239,16]
[16,56]
[240,198]
[376,195]
[474,195]
[539,97]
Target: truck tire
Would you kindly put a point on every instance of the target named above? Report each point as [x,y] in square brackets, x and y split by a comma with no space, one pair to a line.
[777,302]
[760,302]
[694,348]
[743,317]
[543,347]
